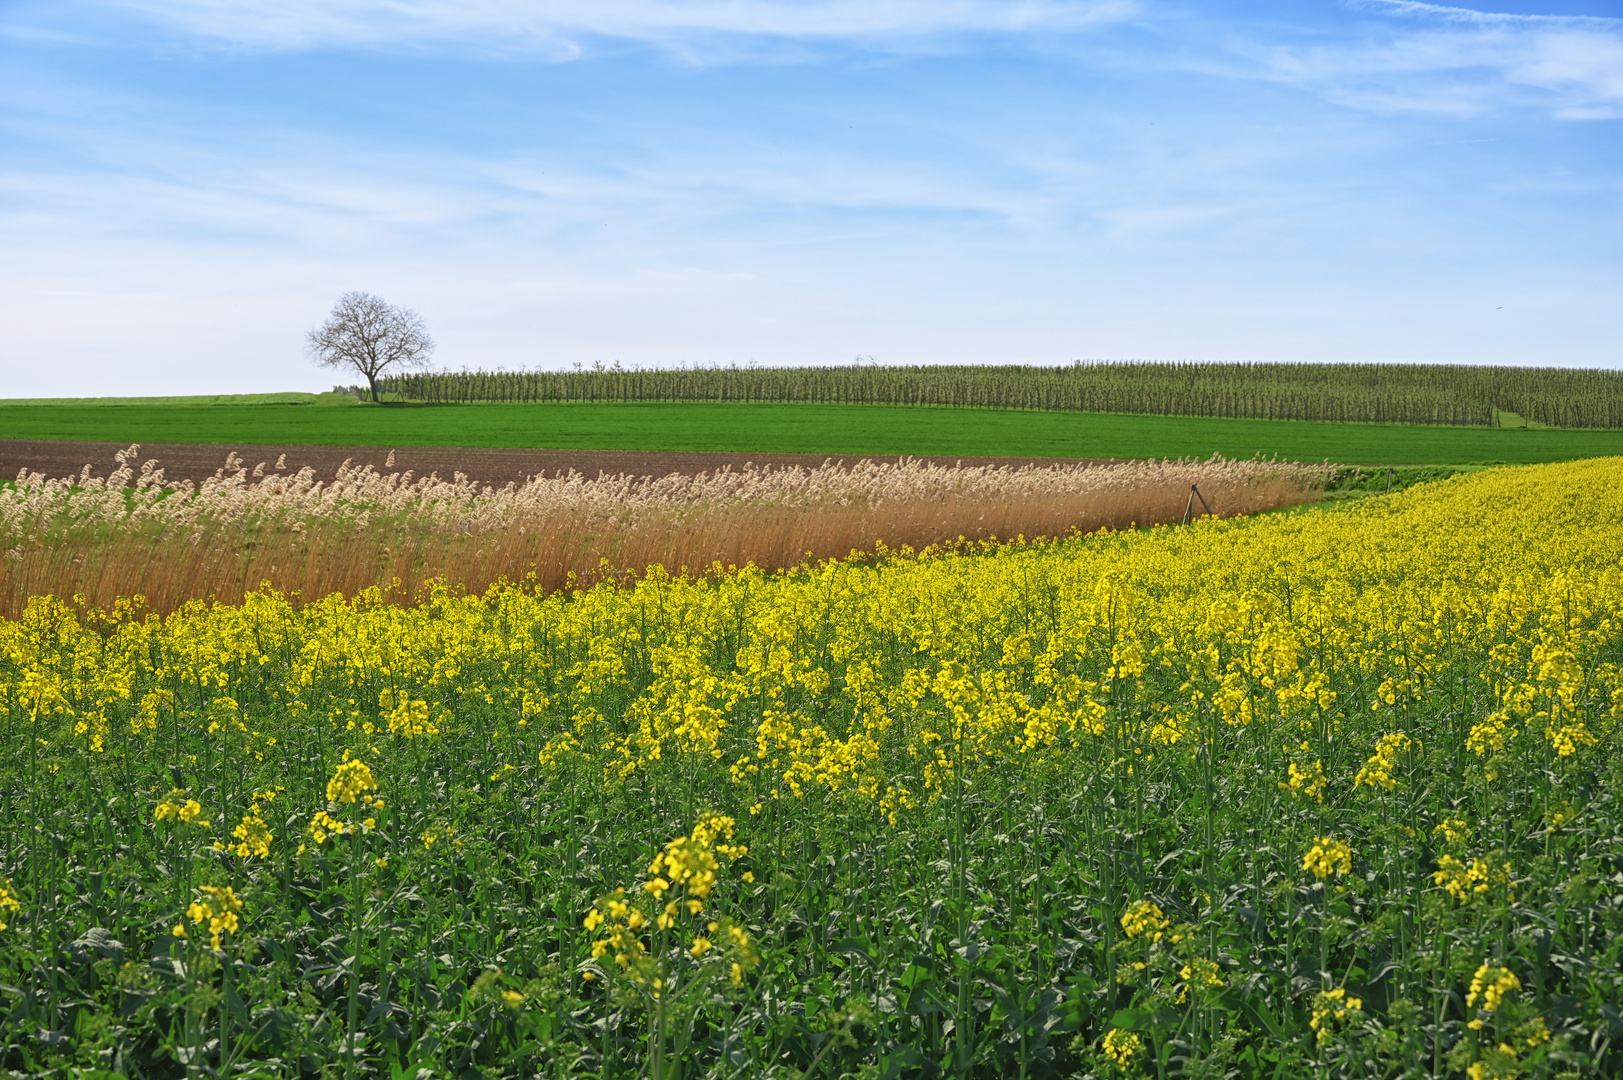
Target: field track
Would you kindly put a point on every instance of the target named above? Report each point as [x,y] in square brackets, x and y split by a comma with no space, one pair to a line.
[198,461]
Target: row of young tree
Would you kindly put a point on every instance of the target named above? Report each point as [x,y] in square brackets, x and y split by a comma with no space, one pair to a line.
[1475,395]
[391,348]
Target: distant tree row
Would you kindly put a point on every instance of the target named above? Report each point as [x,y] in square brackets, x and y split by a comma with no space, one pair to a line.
[1471,395]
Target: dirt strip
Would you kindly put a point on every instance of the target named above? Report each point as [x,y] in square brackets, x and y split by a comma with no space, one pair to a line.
[198,461]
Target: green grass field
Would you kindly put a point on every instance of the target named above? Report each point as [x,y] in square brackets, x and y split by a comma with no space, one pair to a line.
[289,398]
[818,429]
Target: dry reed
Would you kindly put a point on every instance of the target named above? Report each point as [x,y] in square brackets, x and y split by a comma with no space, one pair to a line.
[135,534]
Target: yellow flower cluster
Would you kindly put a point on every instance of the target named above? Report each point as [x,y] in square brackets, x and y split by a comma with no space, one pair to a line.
[407,717]
[1202,973]
[690,863]
[1490,736]
[1144,917]
[1310,781]
[8,902]
[1570,737]
[253,836]
[323,825]
[688,866]
[352,781]
[179,806]
[1151,948]
[1497,1063]
[623,938]
[1331,1010]
[1464,881]
[216,907]
[1453,830]
[1120,1046]
[1328,857]
[1492,989]
[1377,771]
[1491,985]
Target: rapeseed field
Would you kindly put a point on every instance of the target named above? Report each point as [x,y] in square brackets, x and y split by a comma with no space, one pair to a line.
[1329,792]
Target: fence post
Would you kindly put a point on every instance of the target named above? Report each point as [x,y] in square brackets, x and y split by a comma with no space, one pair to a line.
[1189,510]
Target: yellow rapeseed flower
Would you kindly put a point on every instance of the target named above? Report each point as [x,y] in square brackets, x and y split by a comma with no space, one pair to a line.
[1453,830]
[216,907]
[8,902]
[324,825]
[1310,782]
[1332,1008]
[253,838]
[351,781]
[1491,985]
[1377,771]
[179,806]
[1144,917]
[1466,881]
[1328,857]
[1120,1045]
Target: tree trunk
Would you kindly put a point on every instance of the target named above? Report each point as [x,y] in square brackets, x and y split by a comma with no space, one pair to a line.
[373,383]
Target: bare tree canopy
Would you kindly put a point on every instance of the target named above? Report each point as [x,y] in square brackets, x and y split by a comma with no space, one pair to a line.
[367,334]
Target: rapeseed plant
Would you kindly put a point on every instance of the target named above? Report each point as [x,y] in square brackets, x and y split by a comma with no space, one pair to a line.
[1332,1009]
[179,808]
[216,907]
[1309,782]
[1328,857]
[1158,799]
[8,902]
[1145,918]
[1120,1045]
[645,936]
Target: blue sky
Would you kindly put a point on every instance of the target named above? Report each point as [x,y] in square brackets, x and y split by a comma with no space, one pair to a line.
[187,185]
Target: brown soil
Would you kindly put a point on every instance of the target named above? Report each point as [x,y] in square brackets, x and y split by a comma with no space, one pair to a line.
[198,461]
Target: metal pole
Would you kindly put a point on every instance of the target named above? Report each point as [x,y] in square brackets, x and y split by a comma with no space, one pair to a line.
[1189,510]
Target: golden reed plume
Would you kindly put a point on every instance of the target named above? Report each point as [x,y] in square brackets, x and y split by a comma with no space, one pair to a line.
[136,534]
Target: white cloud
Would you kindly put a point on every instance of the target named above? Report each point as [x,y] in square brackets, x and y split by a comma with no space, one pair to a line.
[550,27]
[1430,58]
[1468,15]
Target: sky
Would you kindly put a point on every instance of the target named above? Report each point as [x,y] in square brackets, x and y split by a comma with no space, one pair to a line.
[187,186]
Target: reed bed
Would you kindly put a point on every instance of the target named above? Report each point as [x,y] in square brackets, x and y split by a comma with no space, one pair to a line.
[133,533]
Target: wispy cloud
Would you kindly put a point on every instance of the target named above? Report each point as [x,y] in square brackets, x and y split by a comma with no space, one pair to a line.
[1398,56]
[553,26]
[928,180]
[1467,15]
[1431,58]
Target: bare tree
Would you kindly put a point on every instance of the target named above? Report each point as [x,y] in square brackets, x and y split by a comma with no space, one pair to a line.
[369,335]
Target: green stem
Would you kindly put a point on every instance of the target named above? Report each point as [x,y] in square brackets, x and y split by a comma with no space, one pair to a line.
[656,1039]
[354,948]
[225,1010]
